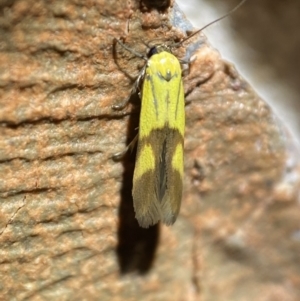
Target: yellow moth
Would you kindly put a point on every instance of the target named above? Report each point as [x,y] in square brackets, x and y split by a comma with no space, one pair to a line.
[158,174]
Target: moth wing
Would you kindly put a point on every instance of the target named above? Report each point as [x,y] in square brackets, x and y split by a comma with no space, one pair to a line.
[157,181]
[144,192]
[171,200]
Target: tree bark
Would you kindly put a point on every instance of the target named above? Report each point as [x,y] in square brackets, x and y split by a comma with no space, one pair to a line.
[67,226]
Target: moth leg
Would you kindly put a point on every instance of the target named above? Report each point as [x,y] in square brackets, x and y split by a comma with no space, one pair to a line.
[137,83]
[134,89]
[186,70]
[184,61]
[131,50]
[120,155]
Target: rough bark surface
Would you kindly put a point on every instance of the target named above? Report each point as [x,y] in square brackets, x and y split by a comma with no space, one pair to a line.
[67,227]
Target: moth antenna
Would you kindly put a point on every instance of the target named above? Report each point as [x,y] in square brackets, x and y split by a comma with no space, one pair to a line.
[211,23]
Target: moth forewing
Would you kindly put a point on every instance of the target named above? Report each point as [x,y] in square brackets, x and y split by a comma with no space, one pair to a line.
[157,180]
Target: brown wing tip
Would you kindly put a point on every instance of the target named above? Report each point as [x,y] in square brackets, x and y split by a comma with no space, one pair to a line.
[169,220]
[147,221]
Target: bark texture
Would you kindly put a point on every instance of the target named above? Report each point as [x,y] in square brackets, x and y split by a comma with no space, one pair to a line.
[67,226]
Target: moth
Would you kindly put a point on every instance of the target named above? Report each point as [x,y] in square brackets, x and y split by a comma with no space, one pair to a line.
[158,174]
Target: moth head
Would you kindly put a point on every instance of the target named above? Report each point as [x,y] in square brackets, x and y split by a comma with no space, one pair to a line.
[158,49]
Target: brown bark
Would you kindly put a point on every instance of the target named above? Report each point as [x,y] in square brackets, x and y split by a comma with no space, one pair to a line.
[66,218]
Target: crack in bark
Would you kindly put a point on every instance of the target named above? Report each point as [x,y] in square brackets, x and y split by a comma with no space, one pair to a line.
[13,216]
